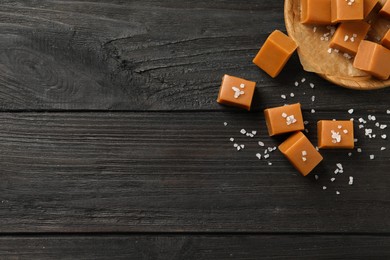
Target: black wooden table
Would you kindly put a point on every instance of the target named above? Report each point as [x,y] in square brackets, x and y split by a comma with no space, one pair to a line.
[113,146]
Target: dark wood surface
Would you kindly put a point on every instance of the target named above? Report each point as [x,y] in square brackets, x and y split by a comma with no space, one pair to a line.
[112,144]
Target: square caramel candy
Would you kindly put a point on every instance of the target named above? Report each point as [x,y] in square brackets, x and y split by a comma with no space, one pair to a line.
[335,134]
[374,59]
[301,153]
[348,36]
[236,92]
[275,53]
[284,119]
[386,40]
[385,11]
[316,12]
[369,6]
[347,10]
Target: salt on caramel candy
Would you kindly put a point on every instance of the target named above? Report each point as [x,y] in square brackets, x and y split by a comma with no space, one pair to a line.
[369,6]
[316,12]
[386,40]
[284,119]
[335,134]
[348,36]
[301,153]
[236,92]
[385,11]
[347,10]
[374,59]
[275,53]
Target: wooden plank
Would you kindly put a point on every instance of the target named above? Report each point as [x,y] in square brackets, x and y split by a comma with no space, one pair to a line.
[176,172]
[196,247]
[147,55]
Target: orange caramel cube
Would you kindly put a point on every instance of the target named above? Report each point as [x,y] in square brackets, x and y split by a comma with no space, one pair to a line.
[335,134]
[347,10]
[385,11]
[348,36]
[386,40]
[374,59]
[275,53]
[236,92]
[369,6]
[315,12]
[301,153]
[284,119]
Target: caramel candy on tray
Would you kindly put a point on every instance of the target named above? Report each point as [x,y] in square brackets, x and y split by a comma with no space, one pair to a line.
[348,36]
[316,12]
[374,59]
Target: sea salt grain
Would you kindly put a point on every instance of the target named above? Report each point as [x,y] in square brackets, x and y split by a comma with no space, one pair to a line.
[350,111]
[243,131]
[383,148]
[313,111]
[283,96]
[384,137]
[311,85]
[225,123]
[337,192]
[231,139]
[324,188]
[350,180]
[261,143]
[296,83]
[372,157]
[258,155]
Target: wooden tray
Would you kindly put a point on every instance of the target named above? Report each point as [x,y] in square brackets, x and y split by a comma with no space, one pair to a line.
[293,26]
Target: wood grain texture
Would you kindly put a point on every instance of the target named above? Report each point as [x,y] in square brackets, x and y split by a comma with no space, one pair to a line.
[145,55]
[178,172]
[177,247]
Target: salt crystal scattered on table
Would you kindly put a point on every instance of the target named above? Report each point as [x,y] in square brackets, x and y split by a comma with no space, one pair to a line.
[258,155]
[296,83]
[313,111]
[225,123]
[384,137]
[350,180]
[372,157]
[231,139]
[303,80]
[261,143]
[383,148]
[337,192]
[359,150]
[283,96]
[312,85]
[243,131]
[316,177]
[350,111]
[332,179]
[292,94]
[324,188]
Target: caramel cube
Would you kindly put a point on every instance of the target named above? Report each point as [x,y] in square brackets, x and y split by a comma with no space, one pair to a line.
[284,119]
[347,10]
[369,6]
[275,53]
[236,92]
[348,36]
[301,153]
[335,134]
[315,12]
[374,59]
[385,11]
[386,40]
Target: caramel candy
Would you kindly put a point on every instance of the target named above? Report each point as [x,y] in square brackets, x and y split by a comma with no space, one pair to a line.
[386,40]
[385,11]
[335,134]
[315,12]
[275,53]
[348,36]
[373,59]
[301,153]
[347,10]
[236,92]
[285,119]
[369,6]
